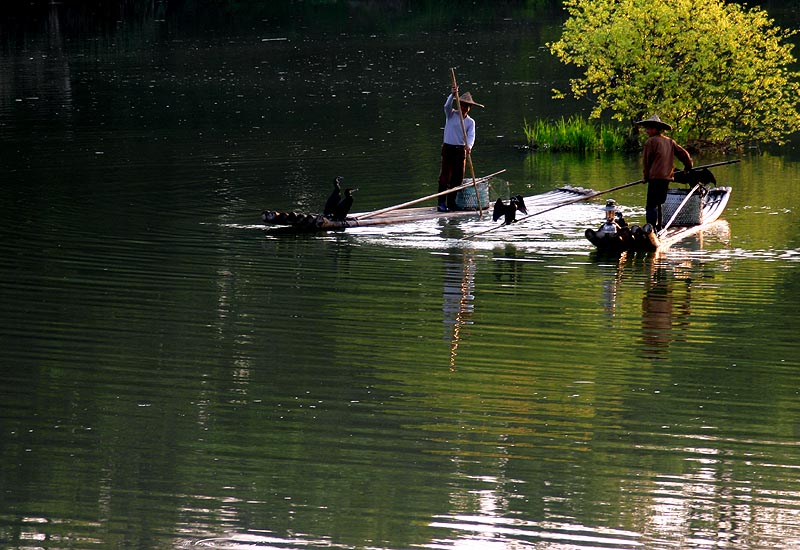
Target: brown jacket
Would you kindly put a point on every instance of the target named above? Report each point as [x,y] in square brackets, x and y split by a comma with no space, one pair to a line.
[659,151]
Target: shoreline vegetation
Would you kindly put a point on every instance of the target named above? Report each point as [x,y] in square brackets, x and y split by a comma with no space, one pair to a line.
[575,134]
[723,73]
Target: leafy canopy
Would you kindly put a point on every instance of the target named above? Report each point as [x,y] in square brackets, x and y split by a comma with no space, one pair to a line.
[719,72]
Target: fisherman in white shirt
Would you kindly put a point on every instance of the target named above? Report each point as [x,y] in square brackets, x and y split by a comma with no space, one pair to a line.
[454,150]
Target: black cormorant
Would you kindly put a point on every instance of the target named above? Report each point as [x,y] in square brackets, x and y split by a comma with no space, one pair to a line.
[702,175]
[343,208]
[509,211]
[335,197]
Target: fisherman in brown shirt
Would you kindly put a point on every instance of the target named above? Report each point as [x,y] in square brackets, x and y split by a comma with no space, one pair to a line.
[657,160]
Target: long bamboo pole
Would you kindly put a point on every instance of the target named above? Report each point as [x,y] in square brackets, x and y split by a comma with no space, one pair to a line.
[571,201]
[425,198]
[466,147]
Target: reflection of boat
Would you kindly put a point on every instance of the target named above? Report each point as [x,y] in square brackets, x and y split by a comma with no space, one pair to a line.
[689,213]
[298,221]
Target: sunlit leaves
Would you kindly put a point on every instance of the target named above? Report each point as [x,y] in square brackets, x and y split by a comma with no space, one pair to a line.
[719,72]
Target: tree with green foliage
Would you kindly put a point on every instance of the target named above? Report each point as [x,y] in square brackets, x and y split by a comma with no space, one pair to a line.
[720,72]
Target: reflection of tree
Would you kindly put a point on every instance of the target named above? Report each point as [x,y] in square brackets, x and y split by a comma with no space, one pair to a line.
[286,14]
[40,72]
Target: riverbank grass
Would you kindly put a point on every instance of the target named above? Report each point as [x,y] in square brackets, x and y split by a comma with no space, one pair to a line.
[573,134]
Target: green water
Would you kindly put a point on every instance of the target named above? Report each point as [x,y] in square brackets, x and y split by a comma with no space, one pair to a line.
[175,375]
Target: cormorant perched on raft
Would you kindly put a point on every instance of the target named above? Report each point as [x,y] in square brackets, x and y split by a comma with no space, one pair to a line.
[343,208]
[692,177]
[509,210]
[335,197]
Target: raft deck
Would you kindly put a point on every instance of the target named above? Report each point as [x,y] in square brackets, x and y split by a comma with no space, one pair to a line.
[317,222]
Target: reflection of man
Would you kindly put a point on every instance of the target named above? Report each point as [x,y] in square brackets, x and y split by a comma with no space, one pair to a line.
[657,316]
[459,281]
[664,314]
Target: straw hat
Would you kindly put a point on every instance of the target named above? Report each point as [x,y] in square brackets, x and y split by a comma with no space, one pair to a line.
[654,121]
[466,98]
[611,206]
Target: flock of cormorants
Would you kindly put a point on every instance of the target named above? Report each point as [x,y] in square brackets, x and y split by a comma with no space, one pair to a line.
[337,207]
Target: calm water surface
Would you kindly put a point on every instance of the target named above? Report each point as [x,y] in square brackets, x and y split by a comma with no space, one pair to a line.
[173,375]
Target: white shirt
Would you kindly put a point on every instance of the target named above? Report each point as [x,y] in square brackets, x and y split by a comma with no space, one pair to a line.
[453,134]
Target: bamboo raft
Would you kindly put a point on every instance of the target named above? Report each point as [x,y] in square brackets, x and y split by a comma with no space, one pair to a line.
[303,222]
[615,237]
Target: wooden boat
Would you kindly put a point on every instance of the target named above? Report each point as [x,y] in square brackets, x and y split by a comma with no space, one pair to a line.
[615,235]
[298,221]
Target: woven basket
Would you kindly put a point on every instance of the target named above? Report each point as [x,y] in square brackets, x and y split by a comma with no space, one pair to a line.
[690,214]
[467,200]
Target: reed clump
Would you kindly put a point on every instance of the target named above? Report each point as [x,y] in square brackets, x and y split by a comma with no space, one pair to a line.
[576,134]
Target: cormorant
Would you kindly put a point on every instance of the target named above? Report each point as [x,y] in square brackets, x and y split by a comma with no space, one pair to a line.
[335,197]
[703,175]
[509,211]
[343,208]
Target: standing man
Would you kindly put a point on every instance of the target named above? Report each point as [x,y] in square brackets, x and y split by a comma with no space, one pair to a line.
[454,150]
[657,161]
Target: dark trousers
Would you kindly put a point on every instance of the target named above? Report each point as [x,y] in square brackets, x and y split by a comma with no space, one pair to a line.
[454,161]
[656,197]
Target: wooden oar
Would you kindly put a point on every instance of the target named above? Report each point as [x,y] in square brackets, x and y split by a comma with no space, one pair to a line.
[592,195]
[466,147]
[423,199]
[678,210]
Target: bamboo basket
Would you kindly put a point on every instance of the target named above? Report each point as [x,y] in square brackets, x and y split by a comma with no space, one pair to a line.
[466,199]
[692,211]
